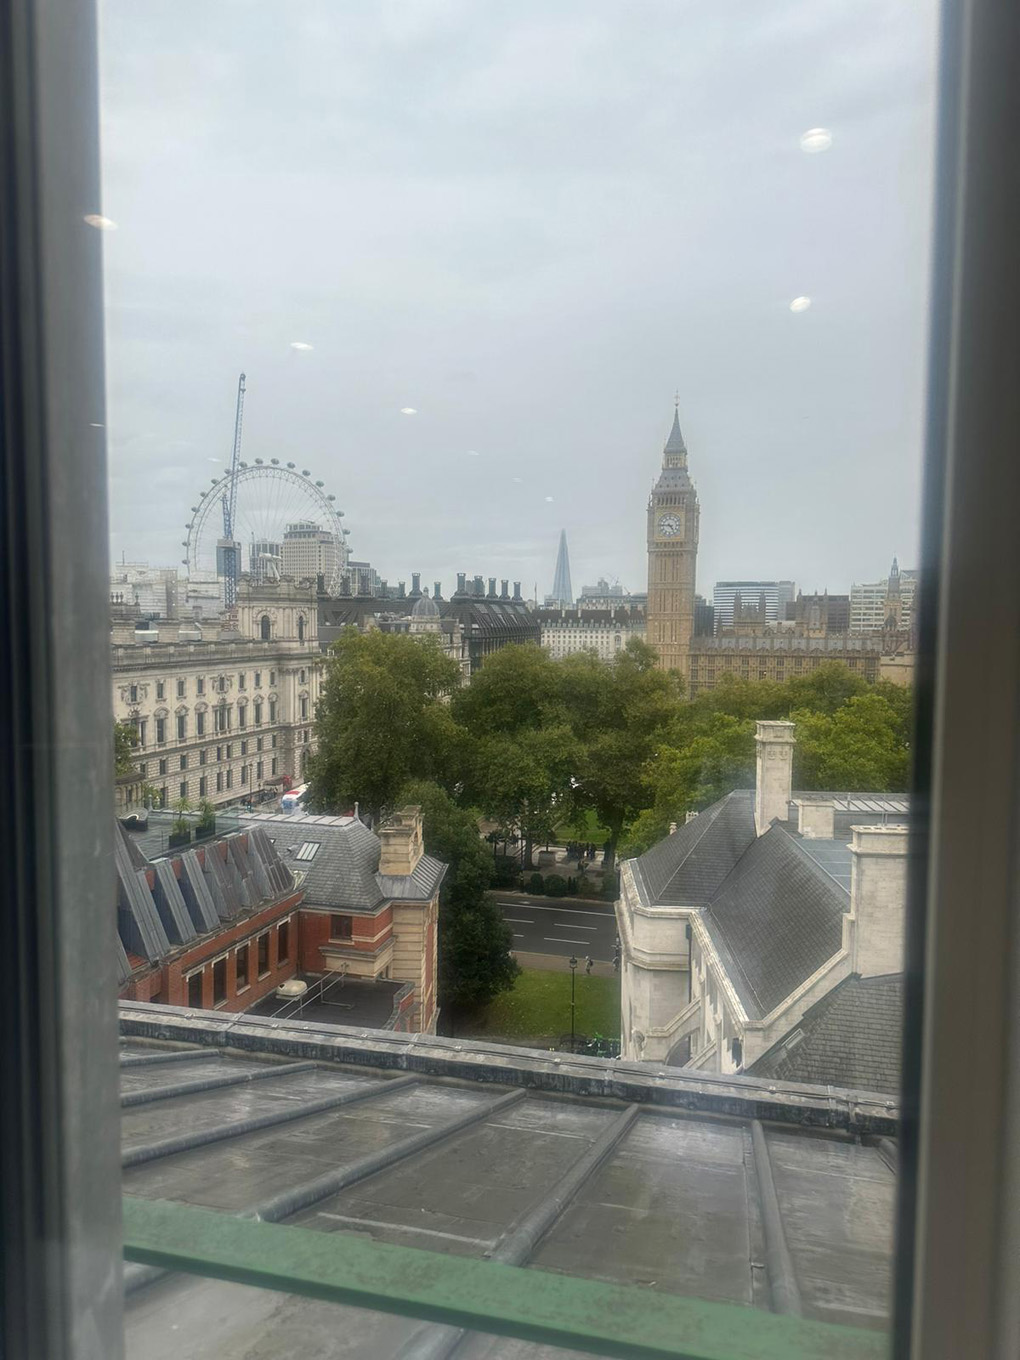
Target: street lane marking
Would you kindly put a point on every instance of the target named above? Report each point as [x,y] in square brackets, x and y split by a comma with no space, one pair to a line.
[520,920]
[517,936]
[552,939]
[572,925]
[566,911]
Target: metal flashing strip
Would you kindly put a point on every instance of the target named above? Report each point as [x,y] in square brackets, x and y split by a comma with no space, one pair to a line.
[187,1088]
[186,1142]
[778,1261]
[486,1296]
[177,1055]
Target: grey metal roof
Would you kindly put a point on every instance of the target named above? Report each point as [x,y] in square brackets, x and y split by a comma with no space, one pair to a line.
[688,867]
[852,1037]
[419,886]
[457,1160]
[675,442]
[775,920]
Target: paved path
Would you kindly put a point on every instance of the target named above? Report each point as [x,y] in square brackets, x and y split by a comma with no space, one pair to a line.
[559,926]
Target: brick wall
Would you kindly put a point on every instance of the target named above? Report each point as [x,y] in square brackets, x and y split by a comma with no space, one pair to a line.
[369,934]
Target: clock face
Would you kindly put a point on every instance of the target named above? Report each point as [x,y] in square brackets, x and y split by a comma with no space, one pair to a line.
[669,525]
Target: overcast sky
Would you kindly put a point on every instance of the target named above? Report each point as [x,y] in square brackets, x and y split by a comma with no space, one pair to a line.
[530,223]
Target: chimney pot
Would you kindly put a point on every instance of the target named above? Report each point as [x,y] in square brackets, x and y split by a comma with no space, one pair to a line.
[492,587]
[436,592]
[517,590]
[416,582]
[461,582]
[504,593]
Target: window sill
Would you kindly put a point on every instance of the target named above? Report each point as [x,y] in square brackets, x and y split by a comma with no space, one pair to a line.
[241,990]
[262,976]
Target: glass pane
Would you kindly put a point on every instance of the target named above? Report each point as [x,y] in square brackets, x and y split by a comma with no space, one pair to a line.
[628,303]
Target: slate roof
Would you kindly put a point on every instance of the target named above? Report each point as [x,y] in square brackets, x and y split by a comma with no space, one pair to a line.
[687,867]
[462,1150]
[344,869]
[852,1037]
[675,442]
[775,920]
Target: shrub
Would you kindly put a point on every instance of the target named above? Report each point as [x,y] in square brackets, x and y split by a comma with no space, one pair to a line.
[610,889]
[555,886]
[536,884]
[506,871]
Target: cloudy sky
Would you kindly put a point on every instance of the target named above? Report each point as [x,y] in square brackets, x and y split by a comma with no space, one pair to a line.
[530,223]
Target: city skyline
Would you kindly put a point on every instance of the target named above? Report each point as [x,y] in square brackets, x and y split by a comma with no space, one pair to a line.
[466,308]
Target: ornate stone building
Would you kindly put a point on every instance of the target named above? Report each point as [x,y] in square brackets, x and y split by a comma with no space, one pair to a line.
[603,631]
[672,556]
[224,713]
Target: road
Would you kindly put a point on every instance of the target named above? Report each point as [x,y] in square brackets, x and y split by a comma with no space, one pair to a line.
[544,925]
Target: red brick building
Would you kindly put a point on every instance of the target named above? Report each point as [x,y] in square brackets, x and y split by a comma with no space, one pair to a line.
[220,926]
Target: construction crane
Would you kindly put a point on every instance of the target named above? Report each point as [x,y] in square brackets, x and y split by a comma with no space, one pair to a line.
[229,564]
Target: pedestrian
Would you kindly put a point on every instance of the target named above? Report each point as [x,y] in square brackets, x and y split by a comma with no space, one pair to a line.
[588,961]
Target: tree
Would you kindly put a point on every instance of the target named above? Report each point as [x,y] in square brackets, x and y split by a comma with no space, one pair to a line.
[619,713]
[862,745]
[475,959]
[125,740]
[381,720]
[520,754]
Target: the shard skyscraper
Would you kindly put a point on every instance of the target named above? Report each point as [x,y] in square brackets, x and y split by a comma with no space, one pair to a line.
[562,596]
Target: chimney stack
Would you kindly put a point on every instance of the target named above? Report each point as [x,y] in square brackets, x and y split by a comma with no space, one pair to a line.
[402,590]
[400,839]
[815,821]
[774,776]
[437,594]
[504,593]
[479,586]
[517,590]
[492,587]
[415,582]
[461,582]
[873,931]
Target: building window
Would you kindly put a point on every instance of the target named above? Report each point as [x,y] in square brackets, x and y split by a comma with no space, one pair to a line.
[341,927]
[258,712]
[143,769]
[230,777]
[272,710]
[283,943]
[133,692]
[160,689]
[220,717]
[301,628]
[242,715]
[272,677]
[160,731]
[274,765]
[195,990]
[182,726]
[244,748]
[258,770]
[183,762]
[240,680]
[304,708]
[272,741]
[181,689]
[242,967]
[184,790]
[219,753]
[219,781]
[203,756]
[140,726]
[219,982]
[221,684]
[301,676]
[229,750]
[258,679]
[200,724]
[265,629]
[200,685]
[162,766]
[259,743]
[203,787]
[307,850]
[244,774]
[163,800]
[263,943]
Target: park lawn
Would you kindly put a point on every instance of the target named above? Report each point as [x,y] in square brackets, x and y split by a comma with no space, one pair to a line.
[536,1012]
[583,827]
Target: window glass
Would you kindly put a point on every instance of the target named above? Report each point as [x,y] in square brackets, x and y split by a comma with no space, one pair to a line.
[263,947]
[242,966]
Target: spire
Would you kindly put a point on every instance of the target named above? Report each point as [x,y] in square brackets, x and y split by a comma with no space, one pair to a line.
[675,443]
[561,591]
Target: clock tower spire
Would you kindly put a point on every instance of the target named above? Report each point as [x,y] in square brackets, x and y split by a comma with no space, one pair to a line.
[673,514]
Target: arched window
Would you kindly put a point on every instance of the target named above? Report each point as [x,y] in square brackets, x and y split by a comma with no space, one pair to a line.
[301,628]
[264,628]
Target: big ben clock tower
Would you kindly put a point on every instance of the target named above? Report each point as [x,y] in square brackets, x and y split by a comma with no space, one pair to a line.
[672,555]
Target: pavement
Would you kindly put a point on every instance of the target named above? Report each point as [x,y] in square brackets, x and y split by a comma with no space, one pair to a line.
[559,926]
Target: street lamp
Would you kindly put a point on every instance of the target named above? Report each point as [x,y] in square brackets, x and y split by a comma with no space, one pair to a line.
[573,974]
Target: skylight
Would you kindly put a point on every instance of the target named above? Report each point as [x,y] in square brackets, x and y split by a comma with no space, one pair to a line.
[307,850]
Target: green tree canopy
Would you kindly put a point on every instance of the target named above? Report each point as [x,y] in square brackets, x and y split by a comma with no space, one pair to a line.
[475,962]
[619,713]
[125,739]
[381,720]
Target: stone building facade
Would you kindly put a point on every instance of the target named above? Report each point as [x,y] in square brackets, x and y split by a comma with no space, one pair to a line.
[672,539]
[603,631]
[225,713]
[785,654]
[748,929]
